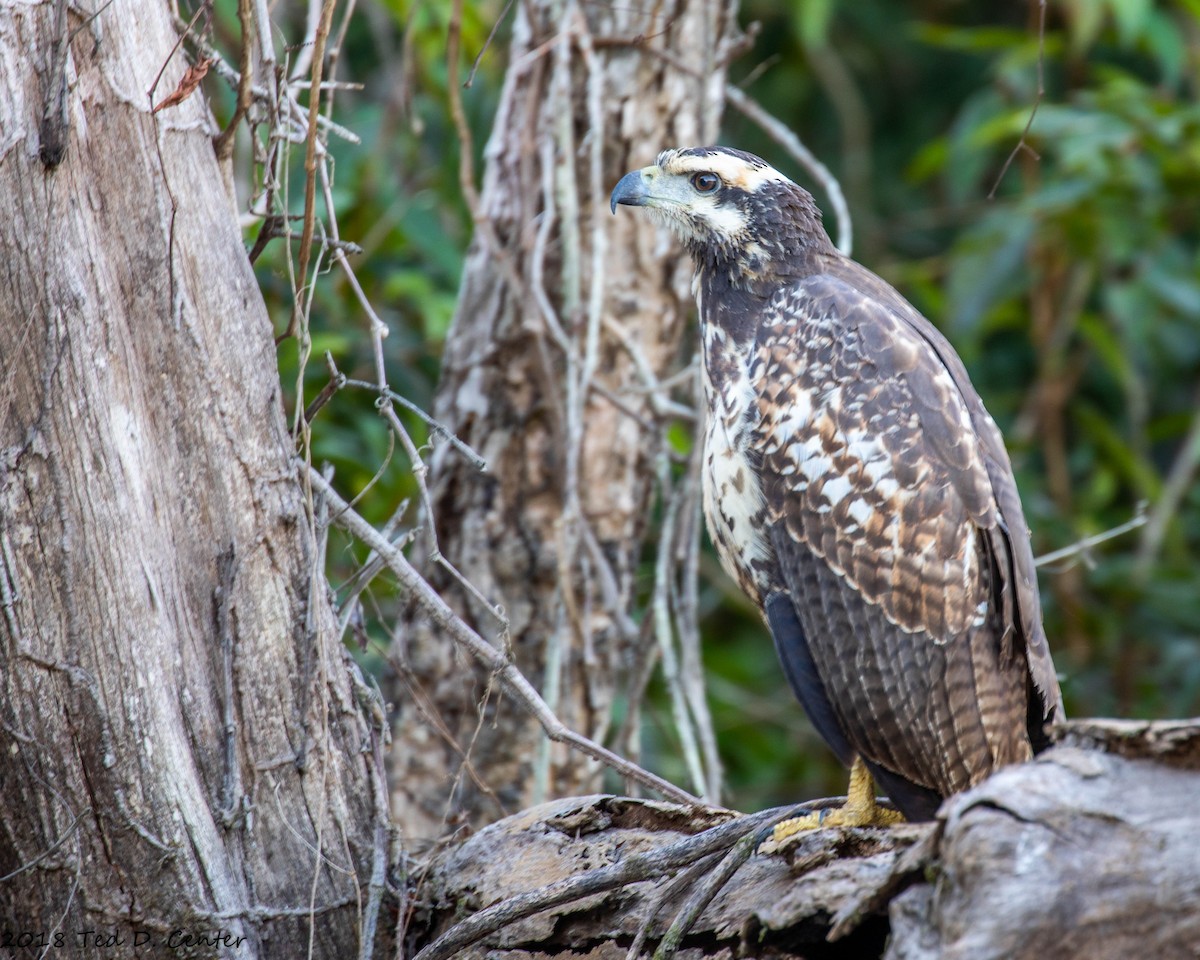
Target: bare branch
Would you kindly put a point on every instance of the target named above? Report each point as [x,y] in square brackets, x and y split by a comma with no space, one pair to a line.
[487,43]
[1082,547]
[1037,102]
[486,653]
[703,895]
[436,427]
[225,139]
[310,158]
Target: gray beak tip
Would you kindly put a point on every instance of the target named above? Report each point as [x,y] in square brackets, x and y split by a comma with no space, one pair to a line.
[630,189]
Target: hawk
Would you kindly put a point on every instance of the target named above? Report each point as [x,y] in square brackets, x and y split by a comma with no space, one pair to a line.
[858,491]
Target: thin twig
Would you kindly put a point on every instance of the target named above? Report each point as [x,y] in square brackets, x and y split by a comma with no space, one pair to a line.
[296,118]
[487,43]
[225,139]
[665,894]
[1037,102]
[379,330]
[310,161]
[305,48]
[466,147]
[49,851]
[432,715]
[362,578]
[436,427]
[685,602]
[688,740]
[703,895]
[1083,546]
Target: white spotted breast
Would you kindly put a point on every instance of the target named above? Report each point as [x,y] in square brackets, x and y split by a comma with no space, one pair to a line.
[734,507]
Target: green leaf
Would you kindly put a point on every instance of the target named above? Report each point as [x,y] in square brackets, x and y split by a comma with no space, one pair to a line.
[1130,17]
[813,20]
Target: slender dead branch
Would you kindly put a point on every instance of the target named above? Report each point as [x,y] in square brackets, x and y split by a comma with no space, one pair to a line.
[245,95]
[310,160]
[703,895]
[1022,143]
[666,893]
[294,114]
[436,427]
[685,604]
[492,658]
[487,43]
[1081,547]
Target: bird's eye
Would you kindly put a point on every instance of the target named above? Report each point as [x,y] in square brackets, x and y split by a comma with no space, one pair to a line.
[705,182]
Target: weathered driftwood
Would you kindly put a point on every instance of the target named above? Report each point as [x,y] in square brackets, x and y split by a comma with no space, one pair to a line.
[1080,854]
[1083,853]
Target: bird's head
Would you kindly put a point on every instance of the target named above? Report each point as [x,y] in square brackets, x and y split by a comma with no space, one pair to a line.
[732,210]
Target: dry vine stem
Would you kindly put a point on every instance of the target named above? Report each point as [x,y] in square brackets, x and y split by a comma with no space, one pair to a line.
[488,655]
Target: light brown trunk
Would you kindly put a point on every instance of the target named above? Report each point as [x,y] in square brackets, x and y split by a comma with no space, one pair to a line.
[180,745]
[536,378]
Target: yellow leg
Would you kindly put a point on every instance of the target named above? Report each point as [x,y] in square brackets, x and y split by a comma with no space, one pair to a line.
[859,810]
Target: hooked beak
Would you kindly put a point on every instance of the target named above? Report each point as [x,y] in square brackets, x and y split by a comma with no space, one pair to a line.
[630,190]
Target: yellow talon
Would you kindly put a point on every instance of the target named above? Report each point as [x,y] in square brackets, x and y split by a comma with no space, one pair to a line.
[860,809]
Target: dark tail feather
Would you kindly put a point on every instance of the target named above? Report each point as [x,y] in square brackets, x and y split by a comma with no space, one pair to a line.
[914,801]
[801,671]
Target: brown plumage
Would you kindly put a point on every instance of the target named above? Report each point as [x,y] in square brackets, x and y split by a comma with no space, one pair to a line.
[856,489]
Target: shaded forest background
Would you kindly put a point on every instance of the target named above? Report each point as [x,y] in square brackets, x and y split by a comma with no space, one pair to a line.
[1072,294]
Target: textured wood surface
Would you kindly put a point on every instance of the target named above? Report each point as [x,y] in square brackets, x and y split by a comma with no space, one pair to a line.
[774,904]
[1080,854]
[1083,853]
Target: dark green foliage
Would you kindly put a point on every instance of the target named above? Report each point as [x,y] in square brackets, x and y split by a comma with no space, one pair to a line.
[1073,296]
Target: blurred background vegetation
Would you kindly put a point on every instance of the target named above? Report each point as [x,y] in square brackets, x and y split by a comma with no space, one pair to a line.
[1070,285]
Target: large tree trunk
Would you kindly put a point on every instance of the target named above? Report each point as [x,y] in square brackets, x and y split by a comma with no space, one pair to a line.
[181,751]
[540,376]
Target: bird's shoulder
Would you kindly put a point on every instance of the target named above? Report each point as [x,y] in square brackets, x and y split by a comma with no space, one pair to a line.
[875,451]
[841,352]
[868,447]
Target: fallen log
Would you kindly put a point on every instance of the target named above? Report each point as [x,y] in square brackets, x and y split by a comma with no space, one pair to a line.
[1091,851]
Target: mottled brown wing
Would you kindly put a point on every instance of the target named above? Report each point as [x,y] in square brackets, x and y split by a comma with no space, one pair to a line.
[885,520]
[1010,542]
